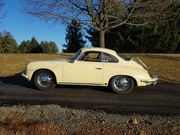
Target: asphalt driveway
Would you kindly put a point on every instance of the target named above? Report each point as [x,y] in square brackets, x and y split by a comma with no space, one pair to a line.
[159,99]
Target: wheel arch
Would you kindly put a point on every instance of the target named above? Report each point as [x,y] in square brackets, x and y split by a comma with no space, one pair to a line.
[34,73]
[135,82]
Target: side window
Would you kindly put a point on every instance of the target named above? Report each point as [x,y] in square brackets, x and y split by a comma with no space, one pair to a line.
[91,57]
[109,58]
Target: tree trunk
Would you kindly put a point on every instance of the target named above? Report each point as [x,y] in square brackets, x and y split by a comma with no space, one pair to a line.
[102,39]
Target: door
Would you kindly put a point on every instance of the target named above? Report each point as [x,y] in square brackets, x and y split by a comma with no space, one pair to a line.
[88,69]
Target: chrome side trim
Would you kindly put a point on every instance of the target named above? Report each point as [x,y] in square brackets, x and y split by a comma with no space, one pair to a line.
[93,84]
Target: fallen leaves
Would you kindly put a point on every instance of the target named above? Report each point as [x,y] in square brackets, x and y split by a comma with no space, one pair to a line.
[134,121]
[28,127]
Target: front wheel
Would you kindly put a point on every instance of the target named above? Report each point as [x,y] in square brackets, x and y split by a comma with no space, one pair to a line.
[122,84]
[44,80]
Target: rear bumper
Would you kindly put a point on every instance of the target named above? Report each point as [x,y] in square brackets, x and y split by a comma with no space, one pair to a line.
[23,74]
[153,80]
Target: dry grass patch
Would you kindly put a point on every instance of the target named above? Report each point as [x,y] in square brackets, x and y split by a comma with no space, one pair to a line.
[166,66]
[11,64]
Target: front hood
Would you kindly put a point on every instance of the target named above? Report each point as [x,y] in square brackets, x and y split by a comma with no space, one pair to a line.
[46,64]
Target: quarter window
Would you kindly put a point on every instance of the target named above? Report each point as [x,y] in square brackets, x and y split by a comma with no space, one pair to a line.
[109,58]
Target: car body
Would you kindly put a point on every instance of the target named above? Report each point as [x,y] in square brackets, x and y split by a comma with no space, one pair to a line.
[91,66]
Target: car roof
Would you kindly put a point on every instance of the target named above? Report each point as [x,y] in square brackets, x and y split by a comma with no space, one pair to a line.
[99,49]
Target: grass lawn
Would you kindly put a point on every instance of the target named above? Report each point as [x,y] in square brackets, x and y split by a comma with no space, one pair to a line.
[166,66]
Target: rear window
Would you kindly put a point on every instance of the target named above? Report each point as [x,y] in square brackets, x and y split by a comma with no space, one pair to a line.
[123,57]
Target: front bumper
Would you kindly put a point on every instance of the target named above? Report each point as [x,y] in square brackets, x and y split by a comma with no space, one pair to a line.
[153,80]
[23,74]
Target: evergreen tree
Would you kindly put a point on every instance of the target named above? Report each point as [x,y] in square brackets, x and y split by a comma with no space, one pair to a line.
[45,46]
[113,38]
[53,46]
[1,49]
[74,38]
[8,43]
[93,37]
[1,39]
[49,47]
[24,47]
[35,47]
[159,38]
[178,49]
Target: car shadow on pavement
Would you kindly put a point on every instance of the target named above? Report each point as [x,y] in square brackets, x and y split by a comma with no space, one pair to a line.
[17,80]
[81,87]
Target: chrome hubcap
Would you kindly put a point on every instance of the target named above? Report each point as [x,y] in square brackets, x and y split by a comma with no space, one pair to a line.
[122,83]
[44,80]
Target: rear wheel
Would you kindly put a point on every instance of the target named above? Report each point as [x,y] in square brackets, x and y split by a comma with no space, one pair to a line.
[122,84]
[44,79]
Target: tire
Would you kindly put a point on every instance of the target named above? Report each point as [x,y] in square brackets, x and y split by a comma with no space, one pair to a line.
[44,79]
[122,84]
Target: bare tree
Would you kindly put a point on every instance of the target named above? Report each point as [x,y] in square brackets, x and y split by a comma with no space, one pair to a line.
[103,15]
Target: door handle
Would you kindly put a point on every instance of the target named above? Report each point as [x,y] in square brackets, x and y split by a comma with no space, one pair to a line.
[99,68]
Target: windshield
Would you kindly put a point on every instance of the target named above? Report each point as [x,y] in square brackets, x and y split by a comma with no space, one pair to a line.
[76,55]
[123,57]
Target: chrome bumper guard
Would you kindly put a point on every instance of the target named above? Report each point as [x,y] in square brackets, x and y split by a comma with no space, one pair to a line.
[153,81]
[23,74]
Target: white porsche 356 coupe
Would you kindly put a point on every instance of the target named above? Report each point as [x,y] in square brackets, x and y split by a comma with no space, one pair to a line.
[91,66]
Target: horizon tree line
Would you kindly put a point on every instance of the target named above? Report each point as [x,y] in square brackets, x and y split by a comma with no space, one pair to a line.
[157,39]
[9,45]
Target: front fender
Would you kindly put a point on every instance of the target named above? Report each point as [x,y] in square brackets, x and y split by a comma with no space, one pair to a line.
[55,67]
